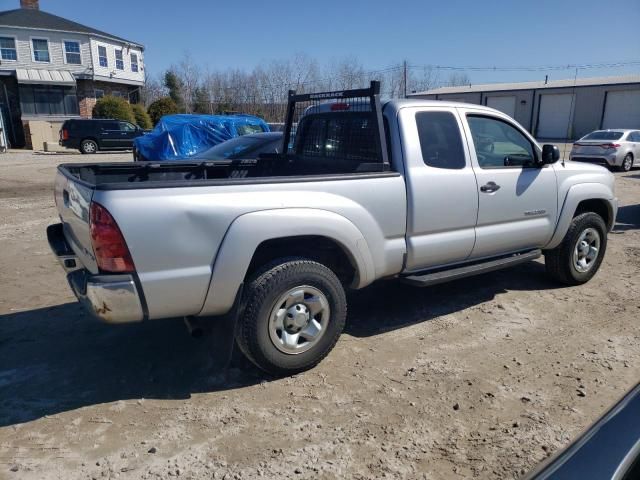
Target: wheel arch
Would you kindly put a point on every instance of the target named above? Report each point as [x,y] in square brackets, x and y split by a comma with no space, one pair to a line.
[585,197]
[259,237]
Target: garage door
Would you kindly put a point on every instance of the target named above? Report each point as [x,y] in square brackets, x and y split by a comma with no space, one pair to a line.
[504,104]
[622,110]
[555,115]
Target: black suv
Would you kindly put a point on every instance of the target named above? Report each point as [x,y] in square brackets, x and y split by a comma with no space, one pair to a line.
[91,135]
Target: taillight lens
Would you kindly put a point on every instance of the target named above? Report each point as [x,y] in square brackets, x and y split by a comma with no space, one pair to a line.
[112,253]
[610,145]
[65,134]
[337,107]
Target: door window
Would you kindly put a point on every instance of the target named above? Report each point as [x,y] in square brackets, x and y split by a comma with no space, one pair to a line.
[110,126]
[440,140]
[127,127]
[499,144]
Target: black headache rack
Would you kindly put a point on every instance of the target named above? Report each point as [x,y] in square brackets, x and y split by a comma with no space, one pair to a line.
[336,132]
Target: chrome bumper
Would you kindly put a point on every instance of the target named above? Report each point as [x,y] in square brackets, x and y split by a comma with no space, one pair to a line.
[110,298]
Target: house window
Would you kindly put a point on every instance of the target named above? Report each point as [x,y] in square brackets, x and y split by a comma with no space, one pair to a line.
[72,52]
[134,62]
[40,50]
[99,93]
[8,48]
[102,56]
[119,60]
[48,100]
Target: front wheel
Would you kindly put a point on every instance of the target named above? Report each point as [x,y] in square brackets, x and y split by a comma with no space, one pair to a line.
[295,311]
[577,259]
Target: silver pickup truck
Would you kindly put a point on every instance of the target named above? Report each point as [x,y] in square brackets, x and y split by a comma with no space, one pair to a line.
[421,191]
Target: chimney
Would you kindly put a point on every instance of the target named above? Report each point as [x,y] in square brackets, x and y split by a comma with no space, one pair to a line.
[30,4]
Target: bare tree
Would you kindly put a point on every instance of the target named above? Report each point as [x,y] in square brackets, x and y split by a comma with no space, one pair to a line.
[152,90]
[424,78]
[189,74]
[458,79]
[345,73]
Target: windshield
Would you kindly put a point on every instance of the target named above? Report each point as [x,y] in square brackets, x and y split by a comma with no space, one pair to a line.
[241,147]
[248,129]
[603,135]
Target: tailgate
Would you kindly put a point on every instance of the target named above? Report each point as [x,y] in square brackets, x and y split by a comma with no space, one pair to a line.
[72,200]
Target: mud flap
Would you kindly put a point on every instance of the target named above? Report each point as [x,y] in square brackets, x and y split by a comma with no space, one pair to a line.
[223,330]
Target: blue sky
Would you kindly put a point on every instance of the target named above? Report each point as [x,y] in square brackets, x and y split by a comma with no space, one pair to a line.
[234,34]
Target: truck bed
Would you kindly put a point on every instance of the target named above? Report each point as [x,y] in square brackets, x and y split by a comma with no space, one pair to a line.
[119,176]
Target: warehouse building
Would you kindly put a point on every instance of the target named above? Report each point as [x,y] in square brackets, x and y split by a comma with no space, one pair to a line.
[559,109]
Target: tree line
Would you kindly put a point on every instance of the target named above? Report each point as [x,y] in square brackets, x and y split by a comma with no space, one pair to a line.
[189,88]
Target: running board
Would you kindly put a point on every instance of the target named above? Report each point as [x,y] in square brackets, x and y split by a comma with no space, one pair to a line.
[441,276]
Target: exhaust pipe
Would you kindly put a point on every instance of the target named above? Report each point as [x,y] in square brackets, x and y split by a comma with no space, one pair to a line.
[194,327]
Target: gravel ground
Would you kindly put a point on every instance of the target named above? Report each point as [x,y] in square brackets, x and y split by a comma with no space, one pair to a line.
[483,377]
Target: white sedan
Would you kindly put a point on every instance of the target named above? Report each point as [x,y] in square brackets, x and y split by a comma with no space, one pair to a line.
[618,148]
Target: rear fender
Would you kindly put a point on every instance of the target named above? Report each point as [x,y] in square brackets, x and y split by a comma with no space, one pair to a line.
[248,231]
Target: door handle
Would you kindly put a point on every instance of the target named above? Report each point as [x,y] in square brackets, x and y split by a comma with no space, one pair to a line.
[490,187]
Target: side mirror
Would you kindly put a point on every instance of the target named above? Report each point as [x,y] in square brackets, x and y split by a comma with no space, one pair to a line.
[550,154]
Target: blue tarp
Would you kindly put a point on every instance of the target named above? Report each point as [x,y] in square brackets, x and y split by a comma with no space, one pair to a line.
[179,137]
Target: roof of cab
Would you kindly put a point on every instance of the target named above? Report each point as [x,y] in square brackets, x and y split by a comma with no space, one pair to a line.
[418,102]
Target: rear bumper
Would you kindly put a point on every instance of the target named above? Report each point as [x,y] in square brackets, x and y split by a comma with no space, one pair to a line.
[69,143]
[110,298]
[605,160]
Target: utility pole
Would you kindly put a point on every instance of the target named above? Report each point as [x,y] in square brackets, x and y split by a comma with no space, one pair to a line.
[404,64]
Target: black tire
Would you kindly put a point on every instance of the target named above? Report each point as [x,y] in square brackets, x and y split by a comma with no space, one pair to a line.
[627,163]
[559,261]
[88,146]
[259,299]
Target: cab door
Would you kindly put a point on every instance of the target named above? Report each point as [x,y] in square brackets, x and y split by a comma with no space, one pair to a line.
[442,191]
[517,199]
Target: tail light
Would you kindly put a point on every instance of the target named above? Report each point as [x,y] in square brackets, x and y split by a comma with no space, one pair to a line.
[65,134]
[109,246]
[337,107]
[610,145]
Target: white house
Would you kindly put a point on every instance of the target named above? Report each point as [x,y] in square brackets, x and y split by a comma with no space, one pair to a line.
[52,68]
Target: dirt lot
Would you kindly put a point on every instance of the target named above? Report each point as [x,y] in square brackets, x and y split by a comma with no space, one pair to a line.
[483,377]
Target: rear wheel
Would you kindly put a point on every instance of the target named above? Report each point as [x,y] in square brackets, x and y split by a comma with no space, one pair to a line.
[627,163]
[88,146]
[295,311]
[577,259]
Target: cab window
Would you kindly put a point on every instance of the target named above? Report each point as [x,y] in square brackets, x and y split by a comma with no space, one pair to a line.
[440,140]
[499,144]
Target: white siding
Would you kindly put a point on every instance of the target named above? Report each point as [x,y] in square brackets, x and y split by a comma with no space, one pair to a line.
[56,50]
[111,47]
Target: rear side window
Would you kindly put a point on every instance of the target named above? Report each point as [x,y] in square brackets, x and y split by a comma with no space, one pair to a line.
[440,140]
[634,137]
[110,126]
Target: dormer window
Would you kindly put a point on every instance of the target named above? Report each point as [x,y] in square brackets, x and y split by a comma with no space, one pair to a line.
[40,47]
[119,60]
